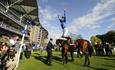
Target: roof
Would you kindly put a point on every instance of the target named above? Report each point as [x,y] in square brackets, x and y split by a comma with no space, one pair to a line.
[28,8]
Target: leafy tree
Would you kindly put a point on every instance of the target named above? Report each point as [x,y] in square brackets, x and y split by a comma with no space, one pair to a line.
[107,37]
[94,40]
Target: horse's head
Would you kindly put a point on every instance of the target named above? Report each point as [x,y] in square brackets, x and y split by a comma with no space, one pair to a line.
[60,41]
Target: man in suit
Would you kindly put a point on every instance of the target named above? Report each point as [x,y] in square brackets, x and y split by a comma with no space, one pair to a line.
[49,52]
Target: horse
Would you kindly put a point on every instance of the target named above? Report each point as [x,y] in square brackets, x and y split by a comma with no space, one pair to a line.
[66,46]
[85,47]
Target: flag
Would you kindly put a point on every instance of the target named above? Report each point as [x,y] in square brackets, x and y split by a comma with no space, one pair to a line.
[28,21]
[25,32]
[35,45]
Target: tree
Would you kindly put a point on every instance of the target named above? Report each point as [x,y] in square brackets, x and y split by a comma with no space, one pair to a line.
[108,37]
[111,36]
[95,40]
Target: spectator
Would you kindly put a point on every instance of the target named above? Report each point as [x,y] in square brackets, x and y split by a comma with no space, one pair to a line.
[49,52]
[14,44]
[28,50]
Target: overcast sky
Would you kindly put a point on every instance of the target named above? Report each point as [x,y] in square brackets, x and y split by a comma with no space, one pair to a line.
[84,17]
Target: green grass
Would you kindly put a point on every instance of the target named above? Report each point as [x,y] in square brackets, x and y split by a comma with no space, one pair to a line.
[36,62]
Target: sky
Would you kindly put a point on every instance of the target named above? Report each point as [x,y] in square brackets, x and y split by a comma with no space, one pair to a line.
[83,17]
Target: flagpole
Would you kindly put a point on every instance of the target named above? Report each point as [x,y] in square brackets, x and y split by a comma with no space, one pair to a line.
[20,49]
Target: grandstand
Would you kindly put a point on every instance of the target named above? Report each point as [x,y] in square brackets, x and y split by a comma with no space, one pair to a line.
[12,14]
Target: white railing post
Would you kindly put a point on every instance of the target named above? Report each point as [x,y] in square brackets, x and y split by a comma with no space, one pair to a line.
[20,49]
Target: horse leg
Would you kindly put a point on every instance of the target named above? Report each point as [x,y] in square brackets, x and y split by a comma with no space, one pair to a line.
[87,61]
[63,59]
[72,53]
[66,58]
[78,52]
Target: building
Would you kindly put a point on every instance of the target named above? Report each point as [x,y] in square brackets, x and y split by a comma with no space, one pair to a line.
[12,14]
[34,33]
[43,37]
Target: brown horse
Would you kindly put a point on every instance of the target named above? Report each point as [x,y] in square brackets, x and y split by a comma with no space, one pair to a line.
[86,49]
[83,46]
[66,46]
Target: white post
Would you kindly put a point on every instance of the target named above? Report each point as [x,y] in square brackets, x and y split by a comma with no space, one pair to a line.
[20,49]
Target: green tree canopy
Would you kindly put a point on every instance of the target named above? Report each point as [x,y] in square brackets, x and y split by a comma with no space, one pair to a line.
[107,37]
[95,40]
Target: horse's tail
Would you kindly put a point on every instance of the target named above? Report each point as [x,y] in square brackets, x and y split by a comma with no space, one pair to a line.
[90,48]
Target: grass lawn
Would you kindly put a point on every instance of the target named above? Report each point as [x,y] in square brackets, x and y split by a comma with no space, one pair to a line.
[36,62]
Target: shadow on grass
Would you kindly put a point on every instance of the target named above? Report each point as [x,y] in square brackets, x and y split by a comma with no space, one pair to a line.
[97,68]
[40,58]
[109,58]
[57,58]
[113,66]
[105,55]
[43,59]
[113,59]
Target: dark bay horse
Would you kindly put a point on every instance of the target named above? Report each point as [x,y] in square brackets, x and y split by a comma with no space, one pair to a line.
[66,45]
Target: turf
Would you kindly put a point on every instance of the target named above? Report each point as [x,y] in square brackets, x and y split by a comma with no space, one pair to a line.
[37,62]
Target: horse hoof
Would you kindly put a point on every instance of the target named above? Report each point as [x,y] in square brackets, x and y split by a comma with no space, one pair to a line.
[87,65]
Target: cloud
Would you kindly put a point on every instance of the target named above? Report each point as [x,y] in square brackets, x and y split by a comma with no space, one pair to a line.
[102,10]
[47,15]
[55,33]
[113,19]
[113,24]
